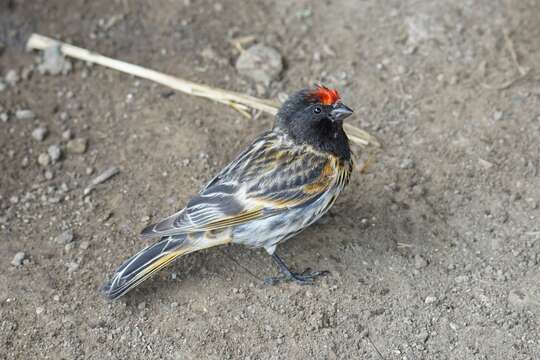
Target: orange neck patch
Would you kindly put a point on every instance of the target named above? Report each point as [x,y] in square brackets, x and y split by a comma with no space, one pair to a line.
[325,95]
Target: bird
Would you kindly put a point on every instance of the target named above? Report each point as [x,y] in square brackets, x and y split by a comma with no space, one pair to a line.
[284,181]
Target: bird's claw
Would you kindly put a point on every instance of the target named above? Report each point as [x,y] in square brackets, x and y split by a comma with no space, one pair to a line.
[304,278]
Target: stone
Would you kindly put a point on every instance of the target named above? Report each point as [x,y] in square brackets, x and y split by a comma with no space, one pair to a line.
[12,77]
[55,153]
[40,133]
[261,63]
[420,262]
[44,159]
[407,164]
[25,114]
[77,145]
[18,259]
[518,299]
[64,238]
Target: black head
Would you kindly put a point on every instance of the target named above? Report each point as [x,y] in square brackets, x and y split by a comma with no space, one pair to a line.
[315,117]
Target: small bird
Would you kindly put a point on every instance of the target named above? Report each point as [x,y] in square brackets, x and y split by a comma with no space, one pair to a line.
[282,183]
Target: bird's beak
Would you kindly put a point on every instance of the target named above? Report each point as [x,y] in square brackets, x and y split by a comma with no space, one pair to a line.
[340,112]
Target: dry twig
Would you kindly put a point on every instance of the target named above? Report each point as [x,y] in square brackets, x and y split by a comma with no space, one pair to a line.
[240,102]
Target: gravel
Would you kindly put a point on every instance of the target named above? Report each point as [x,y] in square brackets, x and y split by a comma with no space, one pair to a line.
[407,164]
[64,238]
[12,77]
[518,299]
[55,152]
[67,134]
[18,259]
[420,262]
[72,266]
[25,114]
[44,159]
[40,133]
[77,145]
[498,115]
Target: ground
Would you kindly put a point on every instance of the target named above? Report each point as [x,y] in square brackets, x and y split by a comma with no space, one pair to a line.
[433,252]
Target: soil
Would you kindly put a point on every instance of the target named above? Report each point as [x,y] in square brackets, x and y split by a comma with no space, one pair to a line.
[433,252]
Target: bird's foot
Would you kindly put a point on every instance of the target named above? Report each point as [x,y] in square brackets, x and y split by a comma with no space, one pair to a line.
[304,278]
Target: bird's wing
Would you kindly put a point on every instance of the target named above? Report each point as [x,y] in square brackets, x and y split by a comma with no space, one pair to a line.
[270,176]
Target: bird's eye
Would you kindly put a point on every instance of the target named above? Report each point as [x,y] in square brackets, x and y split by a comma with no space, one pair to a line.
[317,110]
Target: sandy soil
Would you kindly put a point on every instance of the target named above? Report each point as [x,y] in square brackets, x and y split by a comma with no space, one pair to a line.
[433,254]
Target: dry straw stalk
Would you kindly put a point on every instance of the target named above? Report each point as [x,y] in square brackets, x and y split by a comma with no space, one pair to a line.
[238,101]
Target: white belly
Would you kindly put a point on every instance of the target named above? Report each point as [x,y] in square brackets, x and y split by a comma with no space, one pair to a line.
[270,231]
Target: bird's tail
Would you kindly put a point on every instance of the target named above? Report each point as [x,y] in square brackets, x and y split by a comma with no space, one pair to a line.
[149,260]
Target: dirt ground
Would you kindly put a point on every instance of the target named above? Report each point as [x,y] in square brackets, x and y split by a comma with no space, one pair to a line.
[434,253]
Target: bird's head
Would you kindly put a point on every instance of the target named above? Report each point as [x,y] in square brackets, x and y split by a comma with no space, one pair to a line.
[314,116]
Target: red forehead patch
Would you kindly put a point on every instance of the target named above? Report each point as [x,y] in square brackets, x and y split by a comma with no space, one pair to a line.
[325,95]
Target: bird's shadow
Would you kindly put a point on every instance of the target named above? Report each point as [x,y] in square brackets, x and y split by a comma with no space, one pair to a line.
[369,231]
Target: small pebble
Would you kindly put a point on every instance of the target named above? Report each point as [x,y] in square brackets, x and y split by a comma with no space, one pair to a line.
[407,164]
[420,262]
[18,259]
[54,152]
[430,300]
[72,266]
[4,117]
[462,279]
[12,77]
[64,116]
[49,175]
[84,245]
[518,299]
[67,134]
[498,115]
[532,203]
[44,159]
[485,164]
[24,114]
[141,306]
[64,238]
[39,310]
[14,199]
[27,72]
[77,146]
[39,133]
[261,63]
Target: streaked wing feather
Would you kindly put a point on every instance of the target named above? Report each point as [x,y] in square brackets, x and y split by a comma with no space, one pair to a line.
[271,176]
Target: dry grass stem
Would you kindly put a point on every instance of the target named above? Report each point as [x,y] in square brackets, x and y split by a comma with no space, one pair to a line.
[238,101]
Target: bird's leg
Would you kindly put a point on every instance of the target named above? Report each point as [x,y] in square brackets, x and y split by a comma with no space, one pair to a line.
[303,278]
